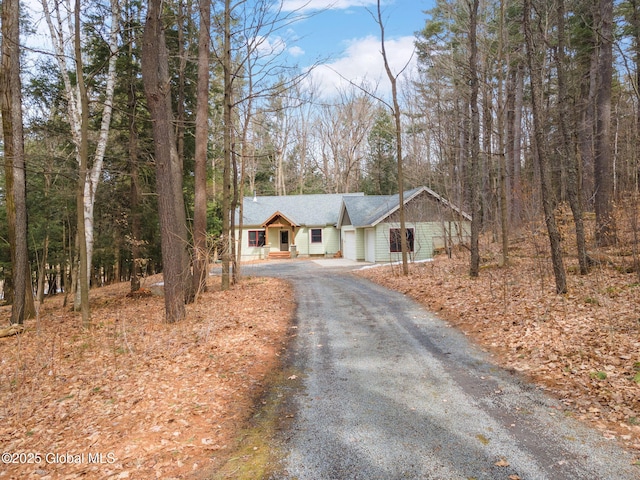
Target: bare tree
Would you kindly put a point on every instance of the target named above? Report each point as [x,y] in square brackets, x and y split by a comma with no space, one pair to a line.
[246,55]
[535,73]
[574,192]
[474,174]
[393,78]
[343,129]
[502,159]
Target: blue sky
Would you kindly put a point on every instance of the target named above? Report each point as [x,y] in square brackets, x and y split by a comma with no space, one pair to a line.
[341,33]
[346,34]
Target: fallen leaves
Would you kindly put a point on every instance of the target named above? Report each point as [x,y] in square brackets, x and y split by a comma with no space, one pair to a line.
[587,353]
[155,400]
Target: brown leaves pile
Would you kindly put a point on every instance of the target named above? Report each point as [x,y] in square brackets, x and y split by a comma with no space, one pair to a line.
[156,400]
[584,347]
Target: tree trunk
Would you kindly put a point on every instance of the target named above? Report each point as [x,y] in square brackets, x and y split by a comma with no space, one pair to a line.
[200,254]
[94,171]
[474,174]
[502,159]
[42,269]
[635,19]
[83,158]
[516,146]
[574,191]
[15,178]
[586,120]
[535,73]
[173,231]
[605,233]
[134,190]
[398,132]
[227,142]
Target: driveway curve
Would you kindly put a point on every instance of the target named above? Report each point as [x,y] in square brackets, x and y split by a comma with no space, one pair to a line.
[390,391]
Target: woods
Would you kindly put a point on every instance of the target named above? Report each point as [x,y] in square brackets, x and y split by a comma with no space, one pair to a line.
[143,131]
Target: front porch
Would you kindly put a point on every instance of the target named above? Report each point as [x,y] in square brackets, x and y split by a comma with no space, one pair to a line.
[280,236]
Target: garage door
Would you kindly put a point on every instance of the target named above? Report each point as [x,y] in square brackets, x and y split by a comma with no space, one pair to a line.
[349,244]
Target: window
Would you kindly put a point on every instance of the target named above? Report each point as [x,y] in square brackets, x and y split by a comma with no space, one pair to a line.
[316,235]
[256,238]
[394,240]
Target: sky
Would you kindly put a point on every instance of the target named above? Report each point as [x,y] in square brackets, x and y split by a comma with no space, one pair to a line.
[345,37]
[341,36]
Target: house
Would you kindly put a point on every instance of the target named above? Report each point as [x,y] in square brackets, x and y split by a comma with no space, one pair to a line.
[361,227]
[273,226]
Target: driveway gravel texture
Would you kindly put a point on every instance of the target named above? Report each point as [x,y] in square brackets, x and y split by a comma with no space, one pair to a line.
[389,391]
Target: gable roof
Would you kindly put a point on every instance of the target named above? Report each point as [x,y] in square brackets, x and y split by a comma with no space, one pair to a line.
[368,211]
[275,215]
[301,210]
[331,209]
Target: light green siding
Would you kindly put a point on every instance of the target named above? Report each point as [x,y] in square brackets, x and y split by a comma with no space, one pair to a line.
[273,239]
[423,241]
[250,253]
[360,247]
[301,241]
[329,246]
[331,240]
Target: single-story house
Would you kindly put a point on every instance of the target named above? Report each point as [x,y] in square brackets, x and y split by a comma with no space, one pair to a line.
[357,226]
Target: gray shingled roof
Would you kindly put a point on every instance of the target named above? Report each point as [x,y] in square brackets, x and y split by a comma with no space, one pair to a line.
[304,210]
[326,209]
[369,210]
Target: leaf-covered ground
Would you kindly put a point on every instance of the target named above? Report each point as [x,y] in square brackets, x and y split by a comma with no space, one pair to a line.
[583,347]
[156,400]
[151,400]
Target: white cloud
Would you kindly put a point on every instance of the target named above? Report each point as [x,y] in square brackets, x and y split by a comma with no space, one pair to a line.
[268,47]
[317,5]
[362,62]
[296,51]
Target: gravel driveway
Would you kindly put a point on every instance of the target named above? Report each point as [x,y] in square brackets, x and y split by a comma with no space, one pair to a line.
[389,391]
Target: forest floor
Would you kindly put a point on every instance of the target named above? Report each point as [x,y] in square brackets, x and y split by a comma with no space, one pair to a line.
[134,397]
[583,347]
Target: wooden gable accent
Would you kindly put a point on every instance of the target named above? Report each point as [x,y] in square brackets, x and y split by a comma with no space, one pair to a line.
[425,208]
[278,220]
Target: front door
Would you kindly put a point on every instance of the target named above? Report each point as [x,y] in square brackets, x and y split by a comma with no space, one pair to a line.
[284,240]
